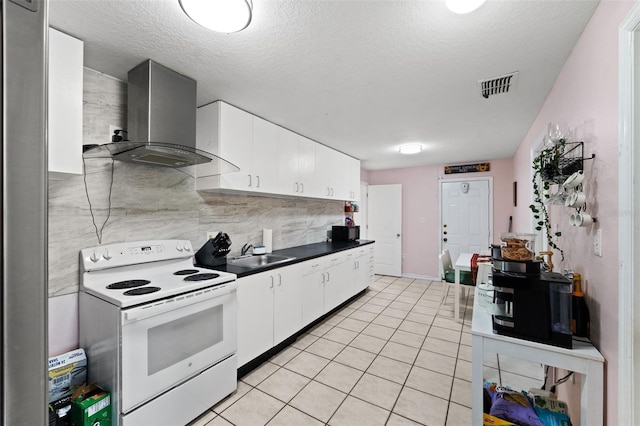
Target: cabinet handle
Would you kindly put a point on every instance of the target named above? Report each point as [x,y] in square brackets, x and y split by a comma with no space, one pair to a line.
[279,280]
[323,278]
[328,277]
[271,286]
[258,179]
[297,187]
[249,180]
[302,186]
[331,192]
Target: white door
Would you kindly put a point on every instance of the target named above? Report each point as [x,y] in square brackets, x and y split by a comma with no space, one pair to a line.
[385,227]
[466,217]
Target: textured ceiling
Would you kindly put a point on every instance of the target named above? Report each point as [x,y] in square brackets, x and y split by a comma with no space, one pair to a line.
[361,76]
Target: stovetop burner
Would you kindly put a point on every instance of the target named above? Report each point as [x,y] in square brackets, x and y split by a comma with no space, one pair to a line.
[201,277]
[127,284]
[186,272]
[141,290]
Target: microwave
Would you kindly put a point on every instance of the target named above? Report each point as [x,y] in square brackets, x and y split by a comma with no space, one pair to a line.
[345,233]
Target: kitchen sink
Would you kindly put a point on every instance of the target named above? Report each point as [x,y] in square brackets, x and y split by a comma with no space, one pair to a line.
[259,261]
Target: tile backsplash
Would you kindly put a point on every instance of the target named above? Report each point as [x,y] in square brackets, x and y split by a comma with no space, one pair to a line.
[143,202]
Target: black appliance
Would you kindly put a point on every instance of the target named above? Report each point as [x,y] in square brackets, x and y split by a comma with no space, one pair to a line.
[345,233]
[214,251]
[531,304]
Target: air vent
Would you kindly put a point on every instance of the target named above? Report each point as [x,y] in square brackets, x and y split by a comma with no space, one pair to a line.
[497,85]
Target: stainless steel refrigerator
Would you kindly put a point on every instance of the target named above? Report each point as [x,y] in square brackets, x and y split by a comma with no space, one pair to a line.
[24,212]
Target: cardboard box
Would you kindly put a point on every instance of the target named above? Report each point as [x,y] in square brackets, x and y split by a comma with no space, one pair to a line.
[91,406]
[66,372]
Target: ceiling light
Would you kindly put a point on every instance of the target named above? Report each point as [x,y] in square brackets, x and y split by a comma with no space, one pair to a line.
[225,16]
[411,148]
[463,6]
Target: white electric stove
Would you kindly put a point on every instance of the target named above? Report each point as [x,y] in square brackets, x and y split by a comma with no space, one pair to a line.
[159,333]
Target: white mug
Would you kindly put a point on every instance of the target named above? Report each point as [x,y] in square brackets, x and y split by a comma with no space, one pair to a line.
[574,180]
[577,200]
[580,219]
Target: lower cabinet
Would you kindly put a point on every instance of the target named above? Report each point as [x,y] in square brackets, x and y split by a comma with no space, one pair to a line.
[269,310]
[275,305]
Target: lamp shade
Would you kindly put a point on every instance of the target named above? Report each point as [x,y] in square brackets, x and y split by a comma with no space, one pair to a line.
[225,16]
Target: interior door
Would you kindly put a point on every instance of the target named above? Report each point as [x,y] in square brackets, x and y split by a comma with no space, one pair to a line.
[385,227]
[465,214]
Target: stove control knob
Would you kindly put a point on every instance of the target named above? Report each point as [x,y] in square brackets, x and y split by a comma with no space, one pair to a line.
[179,247]
[94,257]
[107,255]
[187,247]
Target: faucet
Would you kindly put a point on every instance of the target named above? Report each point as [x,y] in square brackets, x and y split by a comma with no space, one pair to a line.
[245,249]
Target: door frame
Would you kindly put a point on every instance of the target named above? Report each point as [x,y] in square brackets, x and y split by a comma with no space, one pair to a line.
[443,180]
[629,265]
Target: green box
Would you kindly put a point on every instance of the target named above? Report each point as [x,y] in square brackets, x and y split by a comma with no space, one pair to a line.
[91,408]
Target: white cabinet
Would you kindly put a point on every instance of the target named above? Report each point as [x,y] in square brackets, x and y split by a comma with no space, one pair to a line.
[338,175]
[353,179]
[269,310]
[313,282]
[243,139]
[296,164]
[327,282]
[65,75]
[329,171]
[362,267]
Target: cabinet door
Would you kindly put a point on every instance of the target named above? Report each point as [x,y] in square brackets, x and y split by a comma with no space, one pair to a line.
[65,103]
[255,316]
[337,276]
[287,313]
[307,167]
[313,283]
[288,182]
[324,169]
[265,156]
[235,132]
[353,178]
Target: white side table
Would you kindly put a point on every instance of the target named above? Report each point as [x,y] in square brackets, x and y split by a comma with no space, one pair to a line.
[583,359]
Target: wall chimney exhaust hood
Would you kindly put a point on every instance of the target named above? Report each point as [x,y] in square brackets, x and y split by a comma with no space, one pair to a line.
[161,124]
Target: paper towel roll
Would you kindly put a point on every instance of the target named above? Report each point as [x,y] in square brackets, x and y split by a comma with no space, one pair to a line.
[267,239]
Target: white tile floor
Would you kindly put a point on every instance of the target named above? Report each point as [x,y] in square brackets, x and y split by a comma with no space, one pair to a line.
[388,358]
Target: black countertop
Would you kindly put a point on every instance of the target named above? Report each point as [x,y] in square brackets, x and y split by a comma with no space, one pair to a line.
[301,253]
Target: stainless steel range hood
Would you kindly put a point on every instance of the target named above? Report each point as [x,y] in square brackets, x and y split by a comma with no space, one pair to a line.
[161,123]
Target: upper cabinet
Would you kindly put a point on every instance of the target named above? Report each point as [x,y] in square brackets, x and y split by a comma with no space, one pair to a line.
[338,175]
[296,164]
[65,78]
[247,141]
[272,159]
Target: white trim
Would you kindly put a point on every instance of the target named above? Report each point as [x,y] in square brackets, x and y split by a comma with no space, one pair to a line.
[626,240]
[541,236]
[420,277]
[460,179]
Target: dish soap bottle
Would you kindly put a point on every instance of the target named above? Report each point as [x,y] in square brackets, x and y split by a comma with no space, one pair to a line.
[580,322]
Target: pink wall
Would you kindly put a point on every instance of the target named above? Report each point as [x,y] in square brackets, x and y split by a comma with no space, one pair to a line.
[585,96]
[420,242]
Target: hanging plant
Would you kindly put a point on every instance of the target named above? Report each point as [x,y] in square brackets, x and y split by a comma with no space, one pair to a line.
[546,169]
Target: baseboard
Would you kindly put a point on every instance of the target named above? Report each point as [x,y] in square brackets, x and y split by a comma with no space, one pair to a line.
[420,277]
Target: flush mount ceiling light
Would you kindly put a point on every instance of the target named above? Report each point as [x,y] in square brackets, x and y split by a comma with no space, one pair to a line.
[463,6]
[225,16]
[411,148]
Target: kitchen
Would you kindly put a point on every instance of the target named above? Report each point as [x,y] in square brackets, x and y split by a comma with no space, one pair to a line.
[277,213]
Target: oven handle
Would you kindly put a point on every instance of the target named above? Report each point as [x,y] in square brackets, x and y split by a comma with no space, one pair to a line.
[177,302]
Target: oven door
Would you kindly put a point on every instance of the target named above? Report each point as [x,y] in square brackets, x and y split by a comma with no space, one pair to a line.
[166,342]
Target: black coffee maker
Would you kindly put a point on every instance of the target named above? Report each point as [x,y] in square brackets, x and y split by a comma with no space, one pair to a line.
[530,304]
